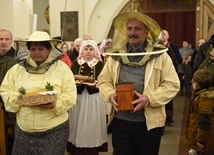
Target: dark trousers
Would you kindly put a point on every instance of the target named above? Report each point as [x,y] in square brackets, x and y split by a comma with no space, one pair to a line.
[180,75]
[133,138]
[202,153]
[169,112]
[188,89]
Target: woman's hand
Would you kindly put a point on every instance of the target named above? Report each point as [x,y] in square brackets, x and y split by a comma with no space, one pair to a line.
[79,82]
[50,105]
[96,83]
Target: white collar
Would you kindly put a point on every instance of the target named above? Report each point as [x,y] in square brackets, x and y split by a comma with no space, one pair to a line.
[91,63]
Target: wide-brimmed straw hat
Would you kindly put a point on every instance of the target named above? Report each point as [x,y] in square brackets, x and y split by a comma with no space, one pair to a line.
[120,22]
[39,36]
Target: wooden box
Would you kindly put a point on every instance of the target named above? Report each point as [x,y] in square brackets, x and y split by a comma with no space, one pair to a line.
[125,96]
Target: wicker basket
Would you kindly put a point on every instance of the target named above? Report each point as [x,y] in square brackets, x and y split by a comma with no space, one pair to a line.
[37,99]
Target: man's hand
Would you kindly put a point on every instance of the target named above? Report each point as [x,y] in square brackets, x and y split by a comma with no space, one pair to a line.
[141,102]
[113,98]
[201,146]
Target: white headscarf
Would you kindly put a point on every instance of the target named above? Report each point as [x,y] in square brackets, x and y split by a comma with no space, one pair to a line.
[103,44]
[97,57]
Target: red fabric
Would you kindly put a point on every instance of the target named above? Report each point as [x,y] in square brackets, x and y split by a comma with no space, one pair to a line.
[66,60]
[180,25]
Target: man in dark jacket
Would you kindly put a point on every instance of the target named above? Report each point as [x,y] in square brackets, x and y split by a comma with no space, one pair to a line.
[175,55]
[75,52]
[202,53]
[7,60]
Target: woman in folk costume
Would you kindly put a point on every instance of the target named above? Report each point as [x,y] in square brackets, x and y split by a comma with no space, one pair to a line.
[88,133]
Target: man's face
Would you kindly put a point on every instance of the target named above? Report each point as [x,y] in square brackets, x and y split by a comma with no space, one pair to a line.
[185,44]
[212,54]
[164,35]
[200,42]
[77,46]
[5,41]
[136,32]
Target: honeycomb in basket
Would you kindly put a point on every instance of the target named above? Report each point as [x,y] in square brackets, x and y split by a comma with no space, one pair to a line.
[34,98]
[37,99]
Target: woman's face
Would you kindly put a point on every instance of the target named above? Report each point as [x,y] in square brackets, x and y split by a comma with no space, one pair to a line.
[88,53]
[65,48]
[108,45]
[38,53]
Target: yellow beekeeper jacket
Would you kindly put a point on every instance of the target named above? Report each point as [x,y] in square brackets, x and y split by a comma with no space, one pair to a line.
[35,119]
[163,85]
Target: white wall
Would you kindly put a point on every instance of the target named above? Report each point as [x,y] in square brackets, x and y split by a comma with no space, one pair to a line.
[95,16]
[57,6]
[6,15]
[23,18]
[39,7]
[15,15]
[100,19]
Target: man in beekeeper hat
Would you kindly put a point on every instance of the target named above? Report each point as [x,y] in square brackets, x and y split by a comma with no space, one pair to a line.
[137,57]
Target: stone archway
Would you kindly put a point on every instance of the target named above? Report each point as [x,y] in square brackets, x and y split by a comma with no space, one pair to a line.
[103,13]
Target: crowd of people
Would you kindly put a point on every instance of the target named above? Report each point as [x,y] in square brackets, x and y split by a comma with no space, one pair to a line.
[141,53]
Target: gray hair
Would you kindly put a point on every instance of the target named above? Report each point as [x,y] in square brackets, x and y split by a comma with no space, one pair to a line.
[4,30]
[78,40]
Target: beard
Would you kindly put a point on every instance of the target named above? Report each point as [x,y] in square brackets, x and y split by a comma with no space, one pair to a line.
[4,48]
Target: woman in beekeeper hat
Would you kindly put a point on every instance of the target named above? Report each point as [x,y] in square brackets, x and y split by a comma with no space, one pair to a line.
[42,128]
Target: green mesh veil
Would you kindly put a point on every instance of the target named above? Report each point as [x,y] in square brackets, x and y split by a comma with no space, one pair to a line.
[120,39]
